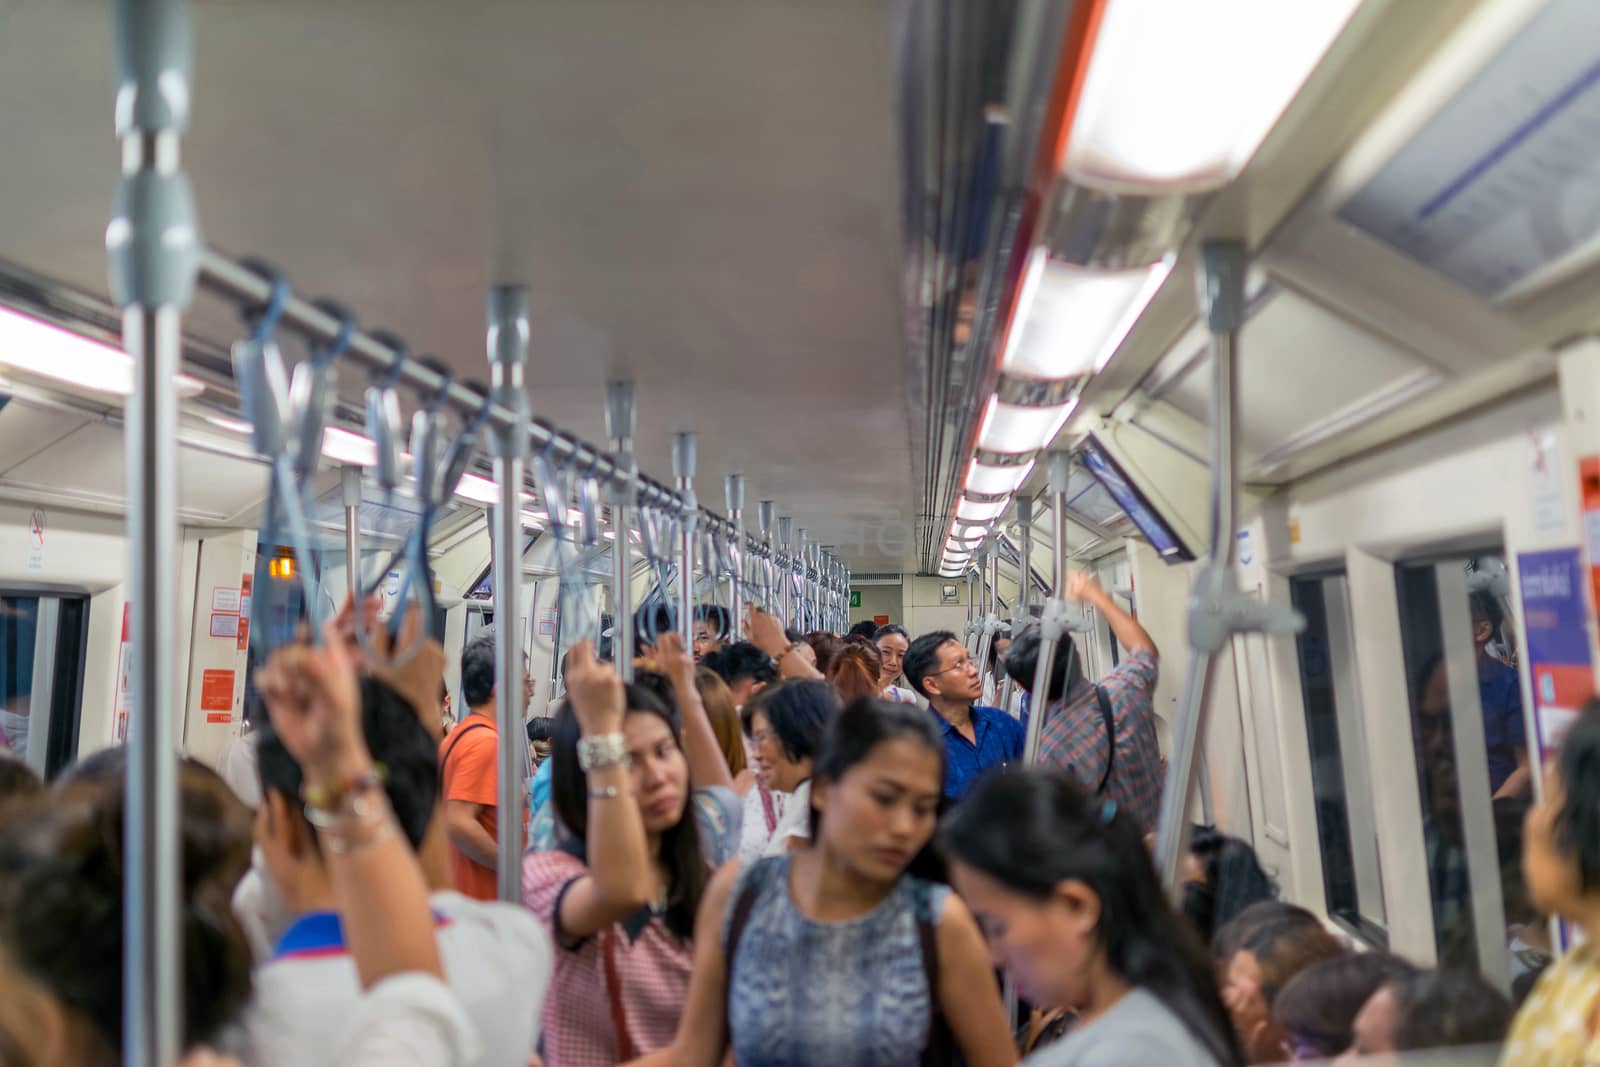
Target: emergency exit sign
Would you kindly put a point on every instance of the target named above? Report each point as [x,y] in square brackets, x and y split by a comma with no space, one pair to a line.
[855,598]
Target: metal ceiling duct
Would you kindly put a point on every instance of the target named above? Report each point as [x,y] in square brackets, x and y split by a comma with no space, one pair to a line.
[974,81]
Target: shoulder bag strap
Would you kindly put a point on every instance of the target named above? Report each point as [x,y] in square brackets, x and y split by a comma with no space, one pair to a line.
[1111,736]
[456,736]
[940,1050]
[619,1021]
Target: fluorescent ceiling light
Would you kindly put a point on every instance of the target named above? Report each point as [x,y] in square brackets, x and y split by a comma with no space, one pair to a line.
[532,521]
[49,351]
[478,488]
[342,446]
[992,480]
[1180,95]
[973,511]
[1009,429]
[227,422]
[1070,320]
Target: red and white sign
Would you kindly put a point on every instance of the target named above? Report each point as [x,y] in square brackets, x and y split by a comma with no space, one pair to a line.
[216,695]
[36,541]
[122,699]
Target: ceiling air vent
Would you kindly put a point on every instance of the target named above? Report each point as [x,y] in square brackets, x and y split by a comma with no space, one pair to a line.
[879,578]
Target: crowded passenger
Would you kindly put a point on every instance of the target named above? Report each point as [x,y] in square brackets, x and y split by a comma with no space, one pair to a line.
[649,818]
[469,759]
[1436,1010]
[995,677]
[1316,1009]
[745,668]
[1222,876]
[1265,961]
[1103,733]
[1561,868]
[18,781]
[893,643]
[786,726]
[824,648]
[1064,889]
[866,629]
[835,955]
[856,670]
[977,738]
[495,957]
[713,625]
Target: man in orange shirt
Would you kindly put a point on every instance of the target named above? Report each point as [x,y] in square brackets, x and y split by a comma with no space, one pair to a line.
[469,759]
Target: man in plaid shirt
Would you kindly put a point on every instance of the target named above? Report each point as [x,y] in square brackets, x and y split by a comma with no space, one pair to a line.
[1074,734]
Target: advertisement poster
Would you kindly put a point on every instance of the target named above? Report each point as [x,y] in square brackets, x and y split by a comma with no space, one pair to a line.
[122,700]
[1558,640]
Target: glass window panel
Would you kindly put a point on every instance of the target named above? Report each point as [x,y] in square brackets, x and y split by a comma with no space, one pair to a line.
[19,628]
[1346,827]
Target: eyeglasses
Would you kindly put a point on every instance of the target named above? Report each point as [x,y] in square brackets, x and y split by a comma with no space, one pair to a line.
[963,664]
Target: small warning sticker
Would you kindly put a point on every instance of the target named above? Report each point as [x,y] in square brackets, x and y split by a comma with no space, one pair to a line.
[216,691]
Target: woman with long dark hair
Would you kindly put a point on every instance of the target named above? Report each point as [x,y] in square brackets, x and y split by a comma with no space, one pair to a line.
[1063,887]
[835,955]
[621,893]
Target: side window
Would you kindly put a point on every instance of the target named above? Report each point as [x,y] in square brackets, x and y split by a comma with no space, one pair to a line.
[1340,779]
[42,640]
[1472,764]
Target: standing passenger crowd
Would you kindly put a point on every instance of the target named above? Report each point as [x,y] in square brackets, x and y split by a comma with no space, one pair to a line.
[793,850]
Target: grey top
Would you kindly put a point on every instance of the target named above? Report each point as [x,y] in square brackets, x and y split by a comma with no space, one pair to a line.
[1138,1031]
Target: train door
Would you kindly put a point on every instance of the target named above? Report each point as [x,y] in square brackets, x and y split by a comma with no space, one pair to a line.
[1474,772]
[43,638]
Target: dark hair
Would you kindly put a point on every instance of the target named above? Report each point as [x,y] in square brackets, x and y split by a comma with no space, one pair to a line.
[922,658]
[17,779]
[1233,874]
[397,740]
[718,702]
[1485,608]
[994,645]
[865,628]
[1444,1009]
[1285,948]
[799,711]
[477,671]
[653,619]
[660,687]
[792,635]
[891,629]
[61,902]
[1576,828]
[825,646]
[855,670]
[539,729]
[1231,936]
[862,726]
[717,615]
[687,871]
[1032,828]
[1022,662]
[1320,1004]
[742,660]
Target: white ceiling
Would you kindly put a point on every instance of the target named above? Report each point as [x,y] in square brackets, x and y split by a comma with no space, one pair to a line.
[700,195]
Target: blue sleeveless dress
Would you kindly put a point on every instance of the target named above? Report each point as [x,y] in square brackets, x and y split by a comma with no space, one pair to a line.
[810,994]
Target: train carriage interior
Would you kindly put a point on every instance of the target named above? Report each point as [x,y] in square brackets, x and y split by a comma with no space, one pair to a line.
[1276,324]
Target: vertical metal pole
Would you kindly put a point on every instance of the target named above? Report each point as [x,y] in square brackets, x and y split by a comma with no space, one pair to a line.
[1019,610]
[621,416]
[1052,619]
[153,245]
[733,492]
[508,334]
[766,515]
[683,463]
[786,571]
[803,599]
[350,489]
[1213,603]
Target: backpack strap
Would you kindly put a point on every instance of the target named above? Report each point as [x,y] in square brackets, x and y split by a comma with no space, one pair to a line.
[1110,719]
[619,1021]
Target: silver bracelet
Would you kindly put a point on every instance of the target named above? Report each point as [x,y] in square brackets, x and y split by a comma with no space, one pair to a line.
[605,792]
[601,751]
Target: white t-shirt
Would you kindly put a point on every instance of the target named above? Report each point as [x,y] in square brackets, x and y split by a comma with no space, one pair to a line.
[794,822]
[900,695]
[497,960]
[409,1020]
[238,767]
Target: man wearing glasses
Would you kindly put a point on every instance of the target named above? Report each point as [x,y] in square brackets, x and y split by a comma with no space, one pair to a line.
[975,737]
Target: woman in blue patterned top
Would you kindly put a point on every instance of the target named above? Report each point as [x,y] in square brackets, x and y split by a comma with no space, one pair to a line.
[834,955]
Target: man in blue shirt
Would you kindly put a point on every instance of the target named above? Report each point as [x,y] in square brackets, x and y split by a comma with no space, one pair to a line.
[975,737]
